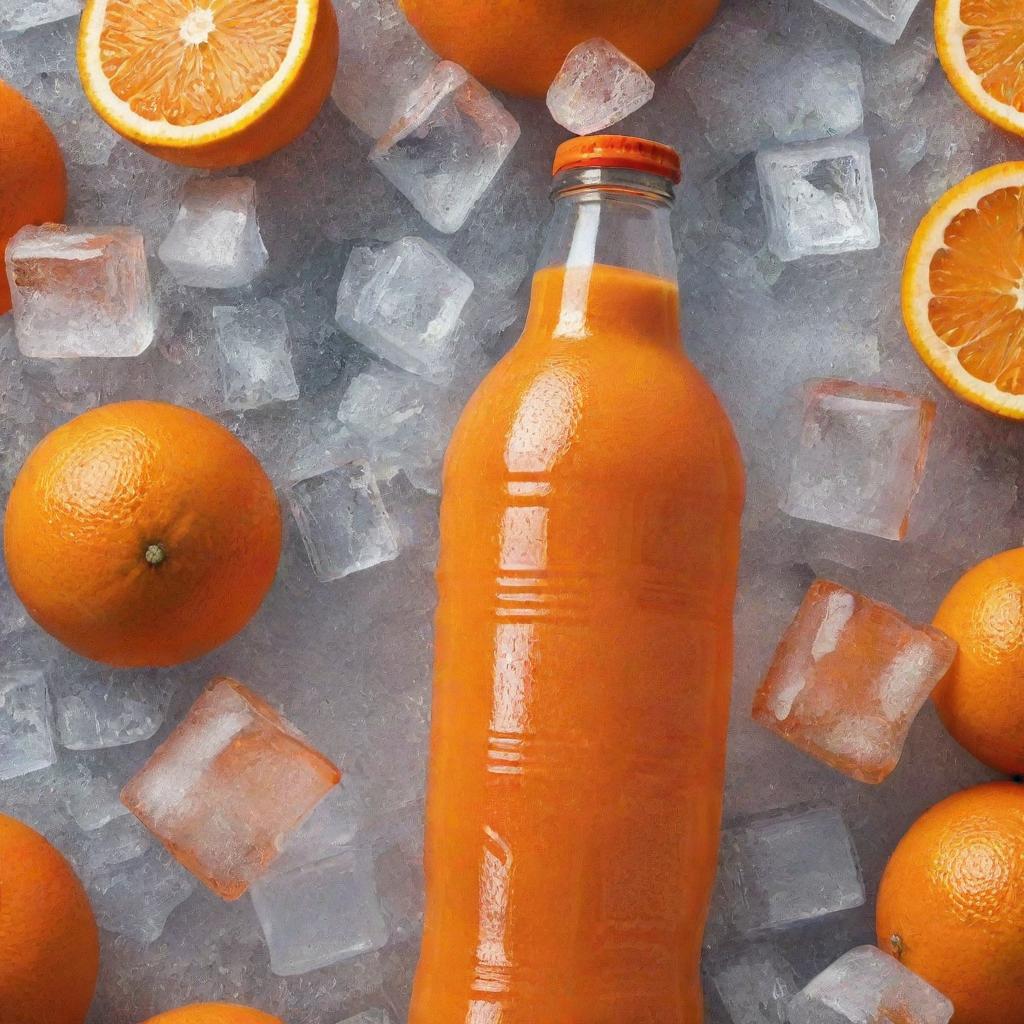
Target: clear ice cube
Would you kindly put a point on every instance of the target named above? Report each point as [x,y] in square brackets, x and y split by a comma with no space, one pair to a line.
[785,867]
[403,302]
[320,913]
[225,789]
[447,146]
[26,732]
[99,708]
[597,86]
[91,800]
[885,19]
[848,679]
[215,240]
[860,457]
[819,198]
[344,524]
[331,827]
[254,355]
[867,986]
[18,15]
[754,984]
[80,292]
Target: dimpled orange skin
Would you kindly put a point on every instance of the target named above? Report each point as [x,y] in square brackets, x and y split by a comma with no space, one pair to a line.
[519,45]
[130,479]
[981,700]
[951,902]
[214,1013]
[49,947]
[33,182]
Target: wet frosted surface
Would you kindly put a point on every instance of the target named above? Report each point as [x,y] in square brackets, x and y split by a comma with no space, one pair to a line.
[349,661]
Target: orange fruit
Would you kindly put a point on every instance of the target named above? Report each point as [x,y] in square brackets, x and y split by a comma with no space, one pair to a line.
[979,44]
[520,45]
[49,947]
[142,534]
[963,290]
[214,1013]
[951,902]
[208,83]
[33,182]
[981,700]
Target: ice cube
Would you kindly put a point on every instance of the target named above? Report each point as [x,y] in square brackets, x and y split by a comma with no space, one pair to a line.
[224,790]
[254,355]
[895,77]
[403,302]
[754,985]
[369,1017]
[320,913]
[18,15]
[101,708]
[784,867]
[80,292]
[860,457]
[597,86]
[122,839]
[815,94]
[344,524]
[215,240]
[848,680]
[866,986]
[885,19]
[331,827]
[26,734]
[819,198]
[382,61]
[444,151]
[92,801]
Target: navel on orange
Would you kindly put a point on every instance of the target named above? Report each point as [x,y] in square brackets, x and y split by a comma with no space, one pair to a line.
[49,947]
[33,182]
[142,534]
[214,1013]
[980,44]
[209,83]
[951,902]
[963,290]
[520,45]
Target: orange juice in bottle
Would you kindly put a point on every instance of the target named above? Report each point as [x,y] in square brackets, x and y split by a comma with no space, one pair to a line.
[589,547]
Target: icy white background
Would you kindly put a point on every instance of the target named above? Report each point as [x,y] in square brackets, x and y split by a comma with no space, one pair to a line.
[350,661]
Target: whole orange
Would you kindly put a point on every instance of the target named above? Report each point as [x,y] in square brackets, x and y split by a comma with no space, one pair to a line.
[142,534]
[519,45]
[214,1013]
[951,902]
[33,182]
[981,700]
[49,948]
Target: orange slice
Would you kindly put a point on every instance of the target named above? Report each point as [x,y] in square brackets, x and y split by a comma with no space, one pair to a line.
[963,289]
[209,83]
[981,46]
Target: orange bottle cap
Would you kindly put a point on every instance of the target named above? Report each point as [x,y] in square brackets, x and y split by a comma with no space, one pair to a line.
[619,151]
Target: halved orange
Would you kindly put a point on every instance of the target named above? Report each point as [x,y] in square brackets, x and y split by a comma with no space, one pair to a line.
[208,83]
[981,46]
[963,289]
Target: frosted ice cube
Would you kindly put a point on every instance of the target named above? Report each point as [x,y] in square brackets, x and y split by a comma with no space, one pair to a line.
[894,77]
[122,839]
[866,986]
[228,785]
[848,679]
[885,19]
[92,801]
[382,61]
[331,827]
[215,240]
[320,913]
[254,355]
[784,867]
[369,1017]
[447,147]
[403,302]
[814,95]
[597,86]
[26,735]
[80,292]
[755,985]
[819,198]
[100,708]
[18,15]
[860,457]
[344,524]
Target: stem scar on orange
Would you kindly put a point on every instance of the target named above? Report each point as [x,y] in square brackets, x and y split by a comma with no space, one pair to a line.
[142,534]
